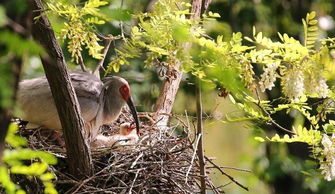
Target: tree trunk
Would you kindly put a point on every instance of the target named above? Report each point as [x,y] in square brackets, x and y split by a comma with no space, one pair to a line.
[170,87]
[166,98]
[78,152]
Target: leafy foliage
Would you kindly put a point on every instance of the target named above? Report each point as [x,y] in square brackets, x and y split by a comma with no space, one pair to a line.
[302,69]
[14,163]
[13,45]
[299,67]
[289,60]
[310,30]
[301,134]
[79,27]
[159,35]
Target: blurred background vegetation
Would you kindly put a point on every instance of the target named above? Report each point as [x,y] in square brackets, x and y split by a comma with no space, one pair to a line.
[276,168]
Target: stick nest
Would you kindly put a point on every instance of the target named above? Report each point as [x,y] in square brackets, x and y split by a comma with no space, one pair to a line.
[161,162]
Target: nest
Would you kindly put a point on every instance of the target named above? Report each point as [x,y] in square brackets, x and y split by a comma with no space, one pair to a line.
[161,162]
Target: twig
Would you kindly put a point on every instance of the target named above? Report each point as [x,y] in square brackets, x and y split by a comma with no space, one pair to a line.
[160,164]
[134,163]
[193,157]
[227,184]
[188,121]
[81,63]
[227,175]
[132,184]
[269,115]
[18,28]
[231,168]
[274,122]
[121,23]
[213,188]
[104,54]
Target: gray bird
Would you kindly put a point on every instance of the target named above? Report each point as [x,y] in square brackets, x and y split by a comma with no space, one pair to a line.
[100,103]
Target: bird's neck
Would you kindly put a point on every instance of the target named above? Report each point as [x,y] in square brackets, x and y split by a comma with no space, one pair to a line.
[113,104]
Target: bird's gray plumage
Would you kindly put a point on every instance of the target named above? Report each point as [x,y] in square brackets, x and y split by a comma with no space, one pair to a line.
[100,103]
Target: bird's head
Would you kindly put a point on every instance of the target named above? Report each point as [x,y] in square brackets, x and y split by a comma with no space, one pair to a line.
[126,128]
[123,90]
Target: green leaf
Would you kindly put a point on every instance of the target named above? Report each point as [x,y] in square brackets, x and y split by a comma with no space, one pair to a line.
[14,140]
[16,44]
[214,15]
[248,39]
[253,31]
[5,180]
[3,16]
[313,22]
[180,33]
[34,169]
[116,67]
[47,176]
[313,28]
[311,15]
[231,98]
[12,156]
[260,139]
[117,14]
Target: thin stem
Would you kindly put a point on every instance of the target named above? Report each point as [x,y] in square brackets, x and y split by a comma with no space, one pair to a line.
[200,132]
[269,115]
[81,63]
[227,175]
[104,54]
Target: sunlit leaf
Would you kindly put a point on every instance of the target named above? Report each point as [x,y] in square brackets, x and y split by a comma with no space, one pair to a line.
[3,16]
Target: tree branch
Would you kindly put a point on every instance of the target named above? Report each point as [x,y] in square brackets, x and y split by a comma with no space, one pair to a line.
[269,115]
[200,132]
[81,63]
[104,53]
[227,175]
[170,87]
[78,153]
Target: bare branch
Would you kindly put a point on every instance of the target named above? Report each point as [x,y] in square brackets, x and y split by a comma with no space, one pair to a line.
[200,132]
[227,175]
[81,63]
[18,28]
[104,54]
[269,115]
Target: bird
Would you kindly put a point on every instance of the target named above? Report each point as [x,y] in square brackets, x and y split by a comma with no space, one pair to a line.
[100,101]
[126,136]
[127,130]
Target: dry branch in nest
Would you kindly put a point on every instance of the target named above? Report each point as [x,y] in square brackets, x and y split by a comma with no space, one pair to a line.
[161,162]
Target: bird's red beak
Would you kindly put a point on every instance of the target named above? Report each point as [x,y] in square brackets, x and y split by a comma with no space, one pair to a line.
[134,113]
[130,128]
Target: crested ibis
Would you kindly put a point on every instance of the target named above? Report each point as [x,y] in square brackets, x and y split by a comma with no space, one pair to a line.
[100,102]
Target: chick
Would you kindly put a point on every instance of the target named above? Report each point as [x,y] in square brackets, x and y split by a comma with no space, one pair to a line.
[127,136]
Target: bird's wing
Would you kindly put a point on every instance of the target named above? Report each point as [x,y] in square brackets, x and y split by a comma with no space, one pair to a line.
[37,104]
[36,101]
[89,90]
[87,85]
